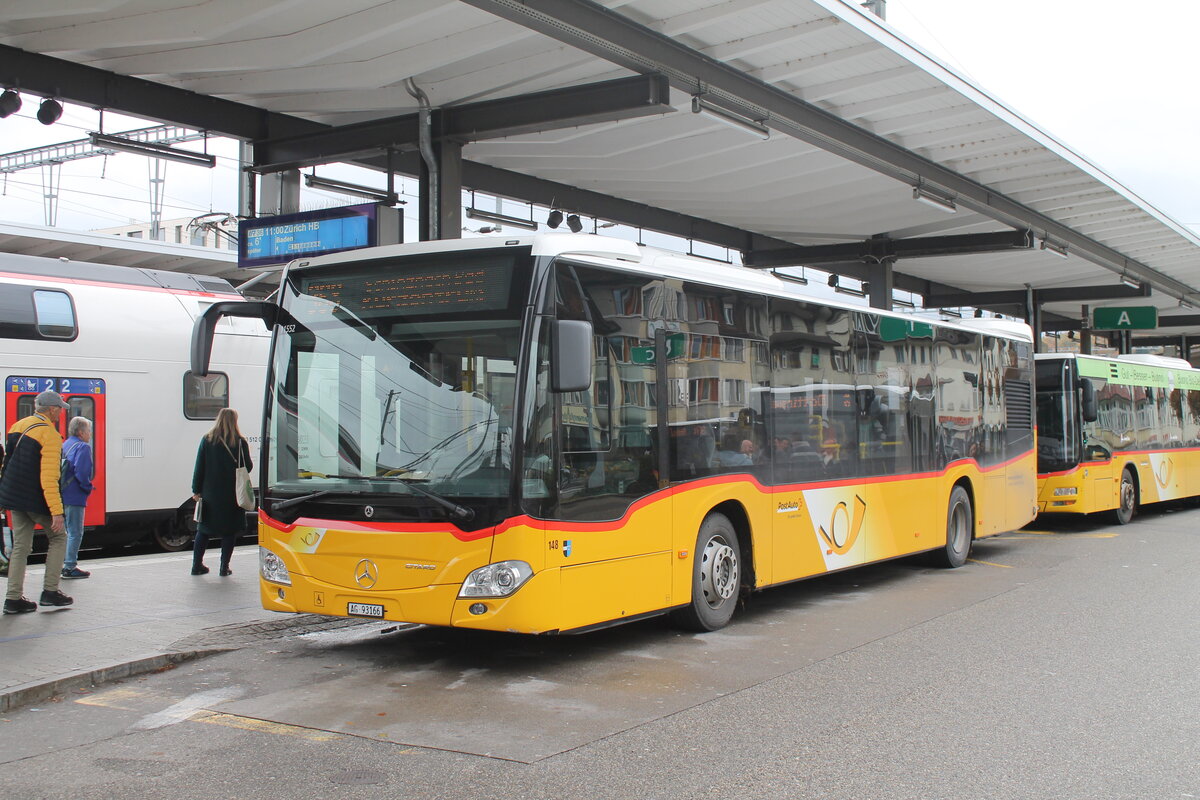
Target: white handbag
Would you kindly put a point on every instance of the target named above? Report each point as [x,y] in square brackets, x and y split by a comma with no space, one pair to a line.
[243,489]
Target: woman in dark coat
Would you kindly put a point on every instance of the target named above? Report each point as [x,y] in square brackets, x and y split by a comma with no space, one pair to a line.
[213,488]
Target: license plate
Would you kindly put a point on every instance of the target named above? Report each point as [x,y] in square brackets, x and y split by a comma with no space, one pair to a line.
[364,610]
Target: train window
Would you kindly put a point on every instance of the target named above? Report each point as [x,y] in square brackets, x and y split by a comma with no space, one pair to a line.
[204,397]
[55,314]
[82,407]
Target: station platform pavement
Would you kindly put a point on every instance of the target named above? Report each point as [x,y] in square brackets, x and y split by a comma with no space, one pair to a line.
[133,615]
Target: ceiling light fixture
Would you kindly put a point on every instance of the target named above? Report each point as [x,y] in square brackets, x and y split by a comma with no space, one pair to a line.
[102,141]
[49,111]
[1185,303]
[10,103]
[574,224]
[554,218]
[1130,281]
[1057,249]
[862,291]
[757,127]
[358,190]
[933,200]
[783,276]
[501,219]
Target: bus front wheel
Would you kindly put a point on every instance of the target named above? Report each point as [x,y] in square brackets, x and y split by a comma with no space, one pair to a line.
[960,523]
[716,577]
[1127,499]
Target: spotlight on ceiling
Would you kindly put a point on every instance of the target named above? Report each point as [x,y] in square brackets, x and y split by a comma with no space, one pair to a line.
[49,111]
[833,281]
[10,103]
[554,219]
[574,224]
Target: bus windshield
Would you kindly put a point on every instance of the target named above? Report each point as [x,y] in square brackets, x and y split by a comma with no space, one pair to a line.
[394,382]
[1059,440]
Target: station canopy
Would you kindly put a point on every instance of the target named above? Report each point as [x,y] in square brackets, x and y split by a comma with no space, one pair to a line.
[643,112]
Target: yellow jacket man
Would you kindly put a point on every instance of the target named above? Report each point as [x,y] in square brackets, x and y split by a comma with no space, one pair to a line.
[29,490]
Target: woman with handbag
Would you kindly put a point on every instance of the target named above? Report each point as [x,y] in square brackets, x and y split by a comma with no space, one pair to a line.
[222,463]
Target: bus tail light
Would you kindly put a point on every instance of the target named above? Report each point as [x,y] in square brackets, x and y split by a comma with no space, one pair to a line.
[272,568]
[496,580]
[1066,490]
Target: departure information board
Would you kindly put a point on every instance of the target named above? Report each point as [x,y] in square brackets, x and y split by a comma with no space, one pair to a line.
[465,285]
[277,240]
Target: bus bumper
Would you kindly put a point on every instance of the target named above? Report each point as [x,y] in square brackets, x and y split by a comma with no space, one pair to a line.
[529,610]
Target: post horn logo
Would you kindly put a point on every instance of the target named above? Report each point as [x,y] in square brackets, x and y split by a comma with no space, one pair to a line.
[843,530]
[1163,473]
[366,573]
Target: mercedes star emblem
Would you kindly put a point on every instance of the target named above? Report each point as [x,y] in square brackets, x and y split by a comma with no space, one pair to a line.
[366,573]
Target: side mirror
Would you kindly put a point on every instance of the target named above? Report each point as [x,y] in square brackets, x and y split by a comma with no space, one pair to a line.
[205,326]
[1088,408]
[571,359]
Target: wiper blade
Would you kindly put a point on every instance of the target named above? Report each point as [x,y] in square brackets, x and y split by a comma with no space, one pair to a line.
[458,512]
[280,505]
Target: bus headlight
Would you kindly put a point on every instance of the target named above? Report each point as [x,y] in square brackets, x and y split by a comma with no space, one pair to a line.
[1066,490]
[272,568]
[496,580]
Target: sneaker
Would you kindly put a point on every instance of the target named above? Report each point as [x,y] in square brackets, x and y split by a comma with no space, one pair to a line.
[19,606]
[55,598]
[76,572]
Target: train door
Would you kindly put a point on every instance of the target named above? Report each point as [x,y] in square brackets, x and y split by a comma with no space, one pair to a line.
[85,397]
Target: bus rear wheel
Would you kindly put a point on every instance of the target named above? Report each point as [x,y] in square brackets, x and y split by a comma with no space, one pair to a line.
[716,577]
[960,524]
[1127,504]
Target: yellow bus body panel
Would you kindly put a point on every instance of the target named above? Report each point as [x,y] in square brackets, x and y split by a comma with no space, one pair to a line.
[593,573]
[1094,486]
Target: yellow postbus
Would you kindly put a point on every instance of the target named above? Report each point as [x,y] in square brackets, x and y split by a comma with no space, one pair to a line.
[1116,433]
[556,433]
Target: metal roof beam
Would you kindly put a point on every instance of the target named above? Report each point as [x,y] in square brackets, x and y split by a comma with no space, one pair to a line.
[1066,294]
[1179,321]
[623,98]
[1156,341]
[587,25]
[53,77]
[883,248]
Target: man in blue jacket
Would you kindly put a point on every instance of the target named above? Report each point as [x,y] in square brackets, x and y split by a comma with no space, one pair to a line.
[76,486]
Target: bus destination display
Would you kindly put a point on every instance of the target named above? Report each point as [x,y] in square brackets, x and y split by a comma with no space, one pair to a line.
[421,289]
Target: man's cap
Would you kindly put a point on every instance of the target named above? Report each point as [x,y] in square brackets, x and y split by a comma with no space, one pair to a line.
[49,399]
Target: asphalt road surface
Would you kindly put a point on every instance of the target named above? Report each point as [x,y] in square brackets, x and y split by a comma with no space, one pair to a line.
[1058,663]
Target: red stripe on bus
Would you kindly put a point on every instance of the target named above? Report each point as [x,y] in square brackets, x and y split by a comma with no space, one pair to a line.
[1108,461]
[524,520]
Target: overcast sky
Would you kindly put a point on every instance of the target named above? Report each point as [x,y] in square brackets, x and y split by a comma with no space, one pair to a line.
[1113,80]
